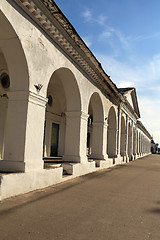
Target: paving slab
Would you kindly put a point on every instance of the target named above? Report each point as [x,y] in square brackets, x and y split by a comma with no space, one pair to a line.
[120,203]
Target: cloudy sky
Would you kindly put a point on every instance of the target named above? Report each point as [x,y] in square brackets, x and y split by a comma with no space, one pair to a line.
[124,35]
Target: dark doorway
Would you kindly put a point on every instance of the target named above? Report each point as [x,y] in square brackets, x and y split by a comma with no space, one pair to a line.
[54,139]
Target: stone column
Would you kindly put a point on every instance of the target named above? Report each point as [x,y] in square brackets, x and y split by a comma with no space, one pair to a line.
[112,138]
[76,137]
[135,143]
[3,115]
[126,139]
[99,141]
[119,134]
[24,132]
[137,136]
[142,145]
[47,138]
[132,142]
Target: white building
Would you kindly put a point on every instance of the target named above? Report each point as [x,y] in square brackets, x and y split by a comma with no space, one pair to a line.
[56,100]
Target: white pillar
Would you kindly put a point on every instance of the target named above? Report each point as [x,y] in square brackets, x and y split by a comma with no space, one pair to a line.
[3,115]
[112,146]
[47,139]
[132,142]
[123,152]
[119,133]
[76,137]
[24,132]
[135,142]
[126,139]
[99,141]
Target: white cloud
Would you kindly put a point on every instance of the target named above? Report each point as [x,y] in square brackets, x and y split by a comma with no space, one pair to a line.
[150,36]
[120,72]
[116,37]
[106,34]
[87,14]
[87,40]
[108,30]
[101,19]
[146,79]
[150,116]
[123,39]
[125,84]
[143,74]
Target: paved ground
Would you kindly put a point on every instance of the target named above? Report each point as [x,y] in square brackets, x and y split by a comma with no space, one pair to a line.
[122,203]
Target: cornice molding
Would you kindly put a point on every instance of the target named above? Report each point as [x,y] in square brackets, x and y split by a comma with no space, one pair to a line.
[27,96]
[127,109]
[143,129]
[50,18]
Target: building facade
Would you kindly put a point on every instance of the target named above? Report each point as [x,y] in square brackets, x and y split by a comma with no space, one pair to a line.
[56,101]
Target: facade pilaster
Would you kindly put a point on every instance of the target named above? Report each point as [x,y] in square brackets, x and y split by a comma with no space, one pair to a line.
[24,132]
[135,142]
[132,142]
[3,114]
[99,141]
[76,137]
[126,139]
[119,133]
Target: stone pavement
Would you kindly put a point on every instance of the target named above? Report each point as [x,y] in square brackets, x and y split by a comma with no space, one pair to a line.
[120,203]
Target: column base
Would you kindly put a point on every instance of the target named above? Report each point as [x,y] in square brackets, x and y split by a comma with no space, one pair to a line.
[17,166]
[135,156]
[124,159]
[131,158]
[103,163]
[121,159]
[75,159]
[99,157]
[79,169]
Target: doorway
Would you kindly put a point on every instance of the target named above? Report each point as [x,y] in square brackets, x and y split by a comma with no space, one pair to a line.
[54,140]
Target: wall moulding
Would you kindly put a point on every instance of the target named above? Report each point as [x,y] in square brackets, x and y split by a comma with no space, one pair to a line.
[27,96]
[49,17]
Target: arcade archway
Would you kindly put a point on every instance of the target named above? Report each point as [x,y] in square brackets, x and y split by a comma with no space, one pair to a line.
[112,134]
[95,132]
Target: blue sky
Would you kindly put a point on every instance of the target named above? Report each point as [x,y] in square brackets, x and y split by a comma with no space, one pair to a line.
[124,35]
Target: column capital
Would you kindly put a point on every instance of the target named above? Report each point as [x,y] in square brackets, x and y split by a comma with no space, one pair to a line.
[27,96]
[100,124]
[113,129]
[77,114]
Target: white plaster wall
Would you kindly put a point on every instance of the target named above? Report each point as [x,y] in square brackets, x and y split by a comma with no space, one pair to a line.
[20,183]
[38,47]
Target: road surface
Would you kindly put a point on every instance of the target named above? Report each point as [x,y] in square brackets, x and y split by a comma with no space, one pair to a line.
[120,203]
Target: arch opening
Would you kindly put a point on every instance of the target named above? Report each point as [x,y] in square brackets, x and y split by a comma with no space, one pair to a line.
[122,147]
[4,88]
[14,79]
[13,52]
[95,127]
[134,142]
[137,139]
[130,141]
[63,98]
[112,134]
[140,143]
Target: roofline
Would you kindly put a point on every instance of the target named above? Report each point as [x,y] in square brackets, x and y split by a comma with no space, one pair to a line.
[50,19]
[133,90]
[142,127]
